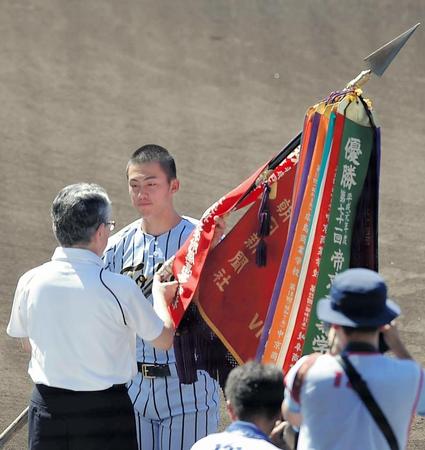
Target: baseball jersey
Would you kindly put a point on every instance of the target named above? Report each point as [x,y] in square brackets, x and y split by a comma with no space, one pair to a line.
[139,255]
[239,435]
[169,414]
[333,415]
[81,322]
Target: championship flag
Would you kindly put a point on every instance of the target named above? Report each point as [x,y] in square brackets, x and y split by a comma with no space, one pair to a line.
[312,212]
[321,244]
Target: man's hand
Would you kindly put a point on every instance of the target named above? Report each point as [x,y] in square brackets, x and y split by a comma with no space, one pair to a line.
[282,435]
[393,340]
[220,226]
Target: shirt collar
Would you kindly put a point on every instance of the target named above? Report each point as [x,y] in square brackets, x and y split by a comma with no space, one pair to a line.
[176,227]
[360,347]
[247,429]
[76,254]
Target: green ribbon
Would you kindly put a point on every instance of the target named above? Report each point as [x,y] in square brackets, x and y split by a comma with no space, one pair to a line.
[356,146]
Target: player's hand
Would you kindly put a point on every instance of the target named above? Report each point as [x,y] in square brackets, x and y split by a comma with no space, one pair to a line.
[164,289]
[220,227]
[164,285]
[165,273]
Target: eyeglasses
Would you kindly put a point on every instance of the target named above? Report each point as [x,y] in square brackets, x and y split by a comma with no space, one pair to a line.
[111,225]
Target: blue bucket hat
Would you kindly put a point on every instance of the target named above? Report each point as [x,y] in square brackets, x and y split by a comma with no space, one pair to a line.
[358,298]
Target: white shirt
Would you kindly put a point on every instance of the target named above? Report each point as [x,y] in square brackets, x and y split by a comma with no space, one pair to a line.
[139,255]
[81,322]
[333,415]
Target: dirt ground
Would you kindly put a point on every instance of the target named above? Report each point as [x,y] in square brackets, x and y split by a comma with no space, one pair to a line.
[223,84]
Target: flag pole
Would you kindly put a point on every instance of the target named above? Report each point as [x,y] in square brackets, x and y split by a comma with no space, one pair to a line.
[14,427]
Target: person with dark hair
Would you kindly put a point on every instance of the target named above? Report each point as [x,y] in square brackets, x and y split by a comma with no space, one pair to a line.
[254,394]
[80,323]
[358,398]
[152,153]
[170,415]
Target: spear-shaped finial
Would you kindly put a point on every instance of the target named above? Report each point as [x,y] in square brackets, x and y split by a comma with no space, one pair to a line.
[380,59]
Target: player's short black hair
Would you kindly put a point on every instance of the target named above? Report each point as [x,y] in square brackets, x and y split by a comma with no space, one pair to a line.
[255,389]
[154,153]
[77,211]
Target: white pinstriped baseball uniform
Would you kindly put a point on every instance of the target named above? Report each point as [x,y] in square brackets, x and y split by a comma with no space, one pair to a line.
[169,415]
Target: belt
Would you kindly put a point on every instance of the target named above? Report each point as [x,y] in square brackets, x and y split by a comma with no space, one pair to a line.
[154,370]
[44,389]
[118,387]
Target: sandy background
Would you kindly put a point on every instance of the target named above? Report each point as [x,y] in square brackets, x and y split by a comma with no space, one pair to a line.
[223,84]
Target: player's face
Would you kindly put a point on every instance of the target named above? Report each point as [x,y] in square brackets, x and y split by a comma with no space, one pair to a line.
[150,191]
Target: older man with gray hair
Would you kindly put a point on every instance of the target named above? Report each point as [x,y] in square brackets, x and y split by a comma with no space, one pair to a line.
[80,322]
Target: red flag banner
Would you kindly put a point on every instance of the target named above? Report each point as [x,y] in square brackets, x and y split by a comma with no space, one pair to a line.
[234,293]
[190,259]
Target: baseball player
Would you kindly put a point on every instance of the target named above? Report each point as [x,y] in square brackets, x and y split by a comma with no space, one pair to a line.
[169,415]
[81,323]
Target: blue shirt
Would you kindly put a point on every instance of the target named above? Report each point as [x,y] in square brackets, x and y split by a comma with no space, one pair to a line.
[239,435]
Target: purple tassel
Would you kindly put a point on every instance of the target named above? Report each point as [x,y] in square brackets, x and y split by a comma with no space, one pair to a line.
[261,254]
[264,213]
[264,219]
[264,228]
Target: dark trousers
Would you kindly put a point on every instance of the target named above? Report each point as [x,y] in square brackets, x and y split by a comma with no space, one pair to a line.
[59,419]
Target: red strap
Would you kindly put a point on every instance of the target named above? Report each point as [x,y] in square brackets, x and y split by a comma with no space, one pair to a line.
[301,374]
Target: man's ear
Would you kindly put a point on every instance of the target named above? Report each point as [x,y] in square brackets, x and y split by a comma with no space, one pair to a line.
[101,230]
[175,185]
[101,234]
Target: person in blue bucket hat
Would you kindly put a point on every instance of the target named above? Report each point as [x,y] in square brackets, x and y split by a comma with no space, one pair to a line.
[358,298]
[357,397]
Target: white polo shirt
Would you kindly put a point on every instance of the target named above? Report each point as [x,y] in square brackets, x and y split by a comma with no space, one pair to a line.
[81,322]
[333,415]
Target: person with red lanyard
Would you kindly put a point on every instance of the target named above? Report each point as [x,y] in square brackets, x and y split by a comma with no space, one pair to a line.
[359,398]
